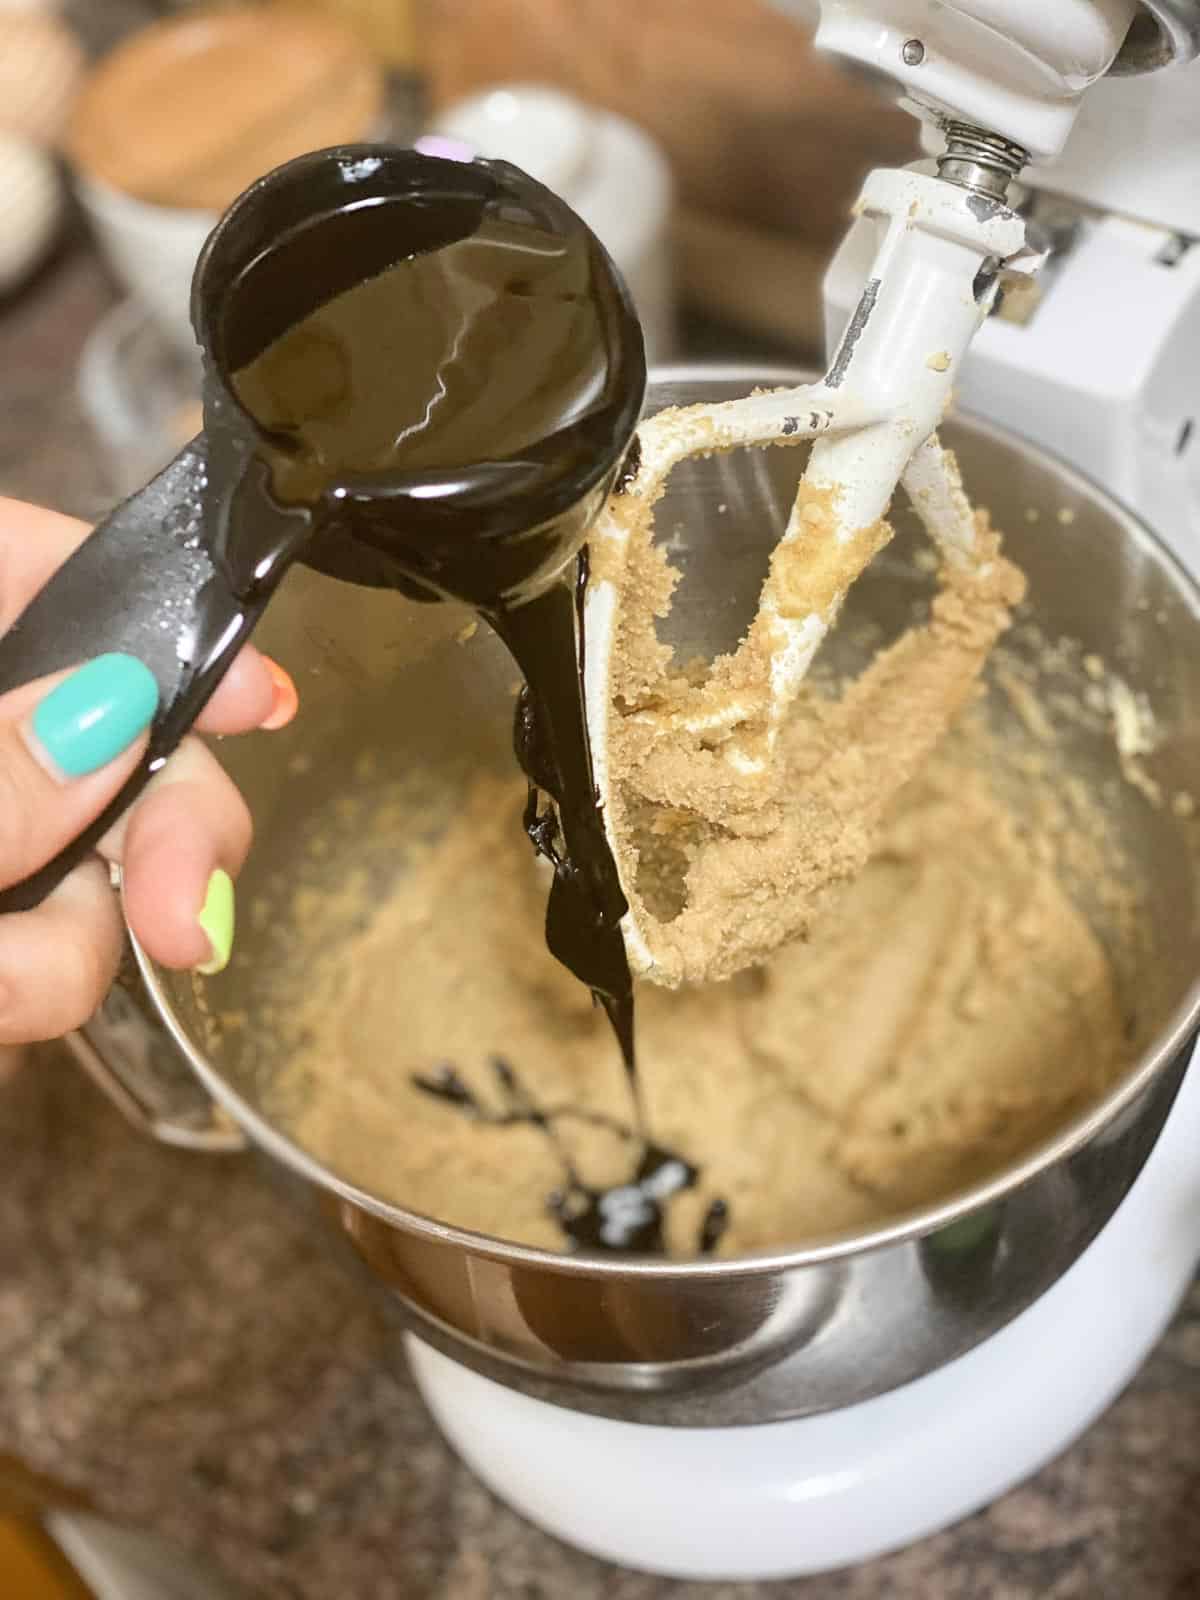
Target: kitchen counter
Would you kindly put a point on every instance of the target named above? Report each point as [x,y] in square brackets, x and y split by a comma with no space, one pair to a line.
[174,1341]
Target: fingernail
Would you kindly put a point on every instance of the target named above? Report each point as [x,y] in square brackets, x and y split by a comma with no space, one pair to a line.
[217,920]
[286,702]
[89,718]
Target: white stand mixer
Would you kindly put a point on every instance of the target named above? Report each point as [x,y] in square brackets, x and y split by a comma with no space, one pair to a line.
[1104,367]
[1100,364]
[1097,361]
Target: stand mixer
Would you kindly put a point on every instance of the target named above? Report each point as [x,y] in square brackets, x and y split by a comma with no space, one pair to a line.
[920,1438]
[1110,197]
[1096,359]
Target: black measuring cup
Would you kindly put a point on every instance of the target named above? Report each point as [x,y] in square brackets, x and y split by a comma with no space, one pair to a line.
[181,572]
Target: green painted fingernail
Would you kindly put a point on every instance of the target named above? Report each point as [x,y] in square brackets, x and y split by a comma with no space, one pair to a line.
[97,712]
[217,920]
[958,1238]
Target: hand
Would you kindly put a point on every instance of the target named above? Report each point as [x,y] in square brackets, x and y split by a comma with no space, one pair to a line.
[67,744]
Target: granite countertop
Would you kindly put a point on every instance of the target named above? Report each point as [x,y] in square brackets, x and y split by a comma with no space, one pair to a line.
[174,1341]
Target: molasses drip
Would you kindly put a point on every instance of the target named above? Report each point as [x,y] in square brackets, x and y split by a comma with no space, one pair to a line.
[626,1217]
[444,382]
[583,915]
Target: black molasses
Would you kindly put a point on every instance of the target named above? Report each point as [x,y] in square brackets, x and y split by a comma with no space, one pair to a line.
[444,373]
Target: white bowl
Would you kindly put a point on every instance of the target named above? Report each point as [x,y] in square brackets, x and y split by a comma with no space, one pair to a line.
[151,249]
[605,167]
[30,208]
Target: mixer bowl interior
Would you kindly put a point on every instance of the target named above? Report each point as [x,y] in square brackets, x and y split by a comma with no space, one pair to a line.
[390,689]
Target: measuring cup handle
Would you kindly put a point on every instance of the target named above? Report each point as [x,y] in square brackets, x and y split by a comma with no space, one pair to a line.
[142,583]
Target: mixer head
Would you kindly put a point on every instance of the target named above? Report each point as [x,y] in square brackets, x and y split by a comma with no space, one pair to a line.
[1015,68]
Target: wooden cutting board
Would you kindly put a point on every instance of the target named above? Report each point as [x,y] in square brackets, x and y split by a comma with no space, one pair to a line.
[768,283]
[759,128]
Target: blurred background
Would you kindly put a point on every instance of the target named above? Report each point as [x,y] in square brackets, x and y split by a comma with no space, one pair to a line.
[711,150]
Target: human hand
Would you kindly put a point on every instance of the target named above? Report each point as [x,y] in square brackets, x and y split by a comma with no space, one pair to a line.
[67,744]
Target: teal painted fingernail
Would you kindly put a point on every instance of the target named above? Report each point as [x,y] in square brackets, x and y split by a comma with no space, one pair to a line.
[217,920]
[97,712]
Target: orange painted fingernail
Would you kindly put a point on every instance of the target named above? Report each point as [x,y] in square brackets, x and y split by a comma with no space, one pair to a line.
[286,702]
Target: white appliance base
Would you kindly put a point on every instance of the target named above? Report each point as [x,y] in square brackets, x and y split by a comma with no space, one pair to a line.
[793,1498]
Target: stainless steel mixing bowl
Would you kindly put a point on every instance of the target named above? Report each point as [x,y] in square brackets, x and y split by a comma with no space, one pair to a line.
[836,1320]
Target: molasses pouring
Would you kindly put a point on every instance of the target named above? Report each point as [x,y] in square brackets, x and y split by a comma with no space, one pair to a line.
[421,374]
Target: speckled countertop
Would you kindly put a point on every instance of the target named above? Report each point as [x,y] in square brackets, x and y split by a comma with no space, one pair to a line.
[173,1340]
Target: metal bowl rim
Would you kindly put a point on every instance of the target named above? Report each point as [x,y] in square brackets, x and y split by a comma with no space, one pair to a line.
[908,1226]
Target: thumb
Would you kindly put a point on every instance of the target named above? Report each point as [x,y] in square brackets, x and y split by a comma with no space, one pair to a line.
[67,744]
